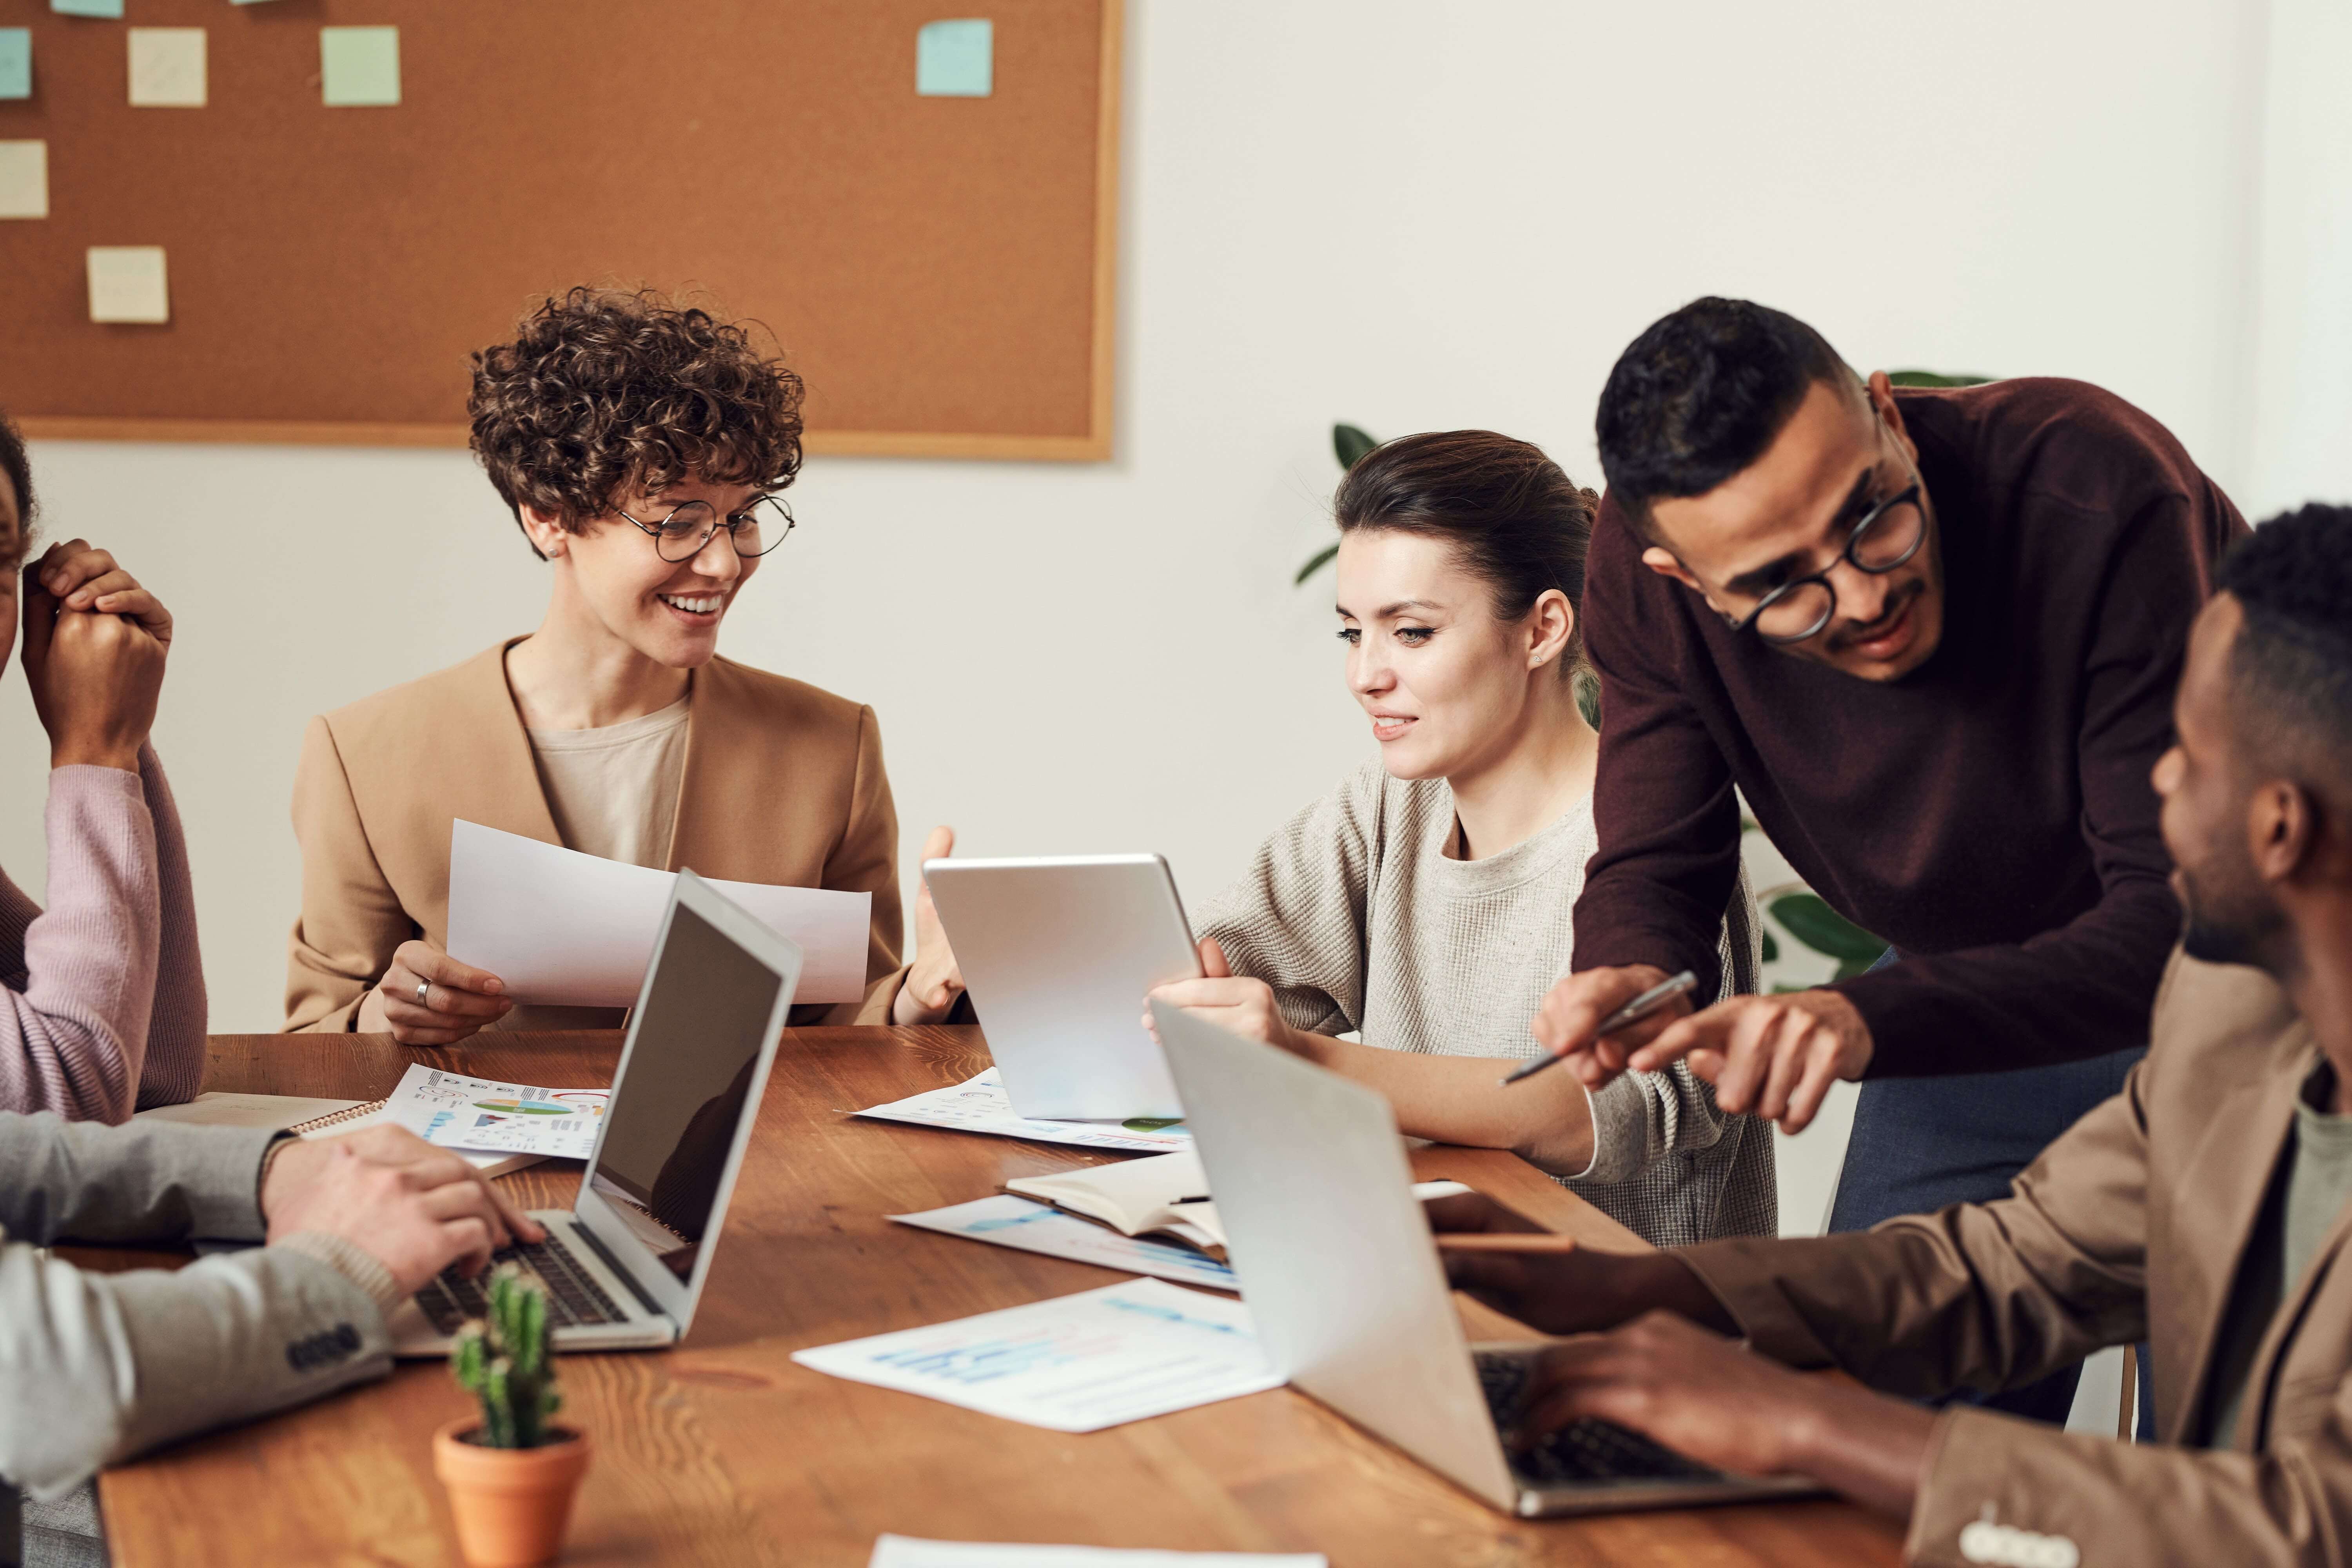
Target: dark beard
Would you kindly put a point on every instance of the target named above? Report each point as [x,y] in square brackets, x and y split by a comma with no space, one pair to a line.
[2220,935]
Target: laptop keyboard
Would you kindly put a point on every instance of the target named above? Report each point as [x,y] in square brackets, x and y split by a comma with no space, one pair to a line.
[573,1296]
[1585,1450]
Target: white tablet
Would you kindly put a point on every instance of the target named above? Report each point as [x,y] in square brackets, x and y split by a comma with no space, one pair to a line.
[1058,953]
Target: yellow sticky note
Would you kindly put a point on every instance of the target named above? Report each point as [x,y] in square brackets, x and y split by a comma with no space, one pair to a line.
[24,179]
[167,68]
[126,284]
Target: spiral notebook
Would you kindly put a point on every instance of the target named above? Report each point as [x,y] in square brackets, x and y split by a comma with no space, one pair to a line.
[310,1116]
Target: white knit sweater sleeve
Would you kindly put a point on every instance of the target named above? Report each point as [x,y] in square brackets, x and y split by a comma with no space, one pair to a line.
[1295,918]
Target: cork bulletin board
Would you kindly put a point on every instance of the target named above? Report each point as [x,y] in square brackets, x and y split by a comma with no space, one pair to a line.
[939,269]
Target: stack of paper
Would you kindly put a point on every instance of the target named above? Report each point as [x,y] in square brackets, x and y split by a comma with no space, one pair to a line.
[577,931]
[1076,1363]
[981,1105]
[492,1118]
[1010,1221]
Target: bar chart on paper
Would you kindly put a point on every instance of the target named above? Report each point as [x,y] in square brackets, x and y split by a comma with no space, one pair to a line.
[1076,1364]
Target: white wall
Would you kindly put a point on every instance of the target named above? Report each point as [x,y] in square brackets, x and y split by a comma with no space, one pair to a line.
[1403,215]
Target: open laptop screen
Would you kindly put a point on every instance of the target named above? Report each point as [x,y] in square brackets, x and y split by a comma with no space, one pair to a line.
[674,1113]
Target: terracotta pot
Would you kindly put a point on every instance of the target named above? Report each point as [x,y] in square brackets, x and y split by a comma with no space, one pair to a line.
[513,1504]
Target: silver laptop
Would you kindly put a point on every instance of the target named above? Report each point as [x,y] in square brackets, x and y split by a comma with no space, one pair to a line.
[1057,952]
[625,1263]
[1312,1185]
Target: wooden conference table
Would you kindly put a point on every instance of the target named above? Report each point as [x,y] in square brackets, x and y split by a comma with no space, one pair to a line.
[723,1451]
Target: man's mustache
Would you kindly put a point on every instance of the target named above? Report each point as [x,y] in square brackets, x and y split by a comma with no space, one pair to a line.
[1853,633]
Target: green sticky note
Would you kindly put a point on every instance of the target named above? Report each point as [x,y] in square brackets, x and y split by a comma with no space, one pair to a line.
[956,59]
[359,68]
[16,62]
[88,9]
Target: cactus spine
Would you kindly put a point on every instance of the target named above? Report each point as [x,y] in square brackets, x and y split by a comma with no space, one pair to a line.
[503,1362]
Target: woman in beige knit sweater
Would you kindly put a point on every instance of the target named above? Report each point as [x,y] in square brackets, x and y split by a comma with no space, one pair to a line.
[1424,903]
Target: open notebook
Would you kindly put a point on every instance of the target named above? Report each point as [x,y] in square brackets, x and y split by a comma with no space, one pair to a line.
[1167,1194]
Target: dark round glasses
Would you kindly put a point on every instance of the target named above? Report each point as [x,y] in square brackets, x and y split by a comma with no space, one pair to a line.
[756,530]
[1888,535]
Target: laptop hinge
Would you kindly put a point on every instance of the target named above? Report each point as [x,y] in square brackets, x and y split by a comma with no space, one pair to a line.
[653,1308]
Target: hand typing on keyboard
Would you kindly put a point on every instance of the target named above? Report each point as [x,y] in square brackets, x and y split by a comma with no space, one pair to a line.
[573,1296]
[415,1208]
[1657,1372]
[1710,1400]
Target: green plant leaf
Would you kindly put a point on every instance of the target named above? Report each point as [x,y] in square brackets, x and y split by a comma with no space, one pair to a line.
[1771,948]
[1588,696]
[1350,443]
[1315,564]
[1805,917]
[1935,378]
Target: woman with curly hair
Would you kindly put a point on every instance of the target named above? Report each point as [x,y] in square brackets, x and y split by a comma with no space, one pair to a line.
[641,448]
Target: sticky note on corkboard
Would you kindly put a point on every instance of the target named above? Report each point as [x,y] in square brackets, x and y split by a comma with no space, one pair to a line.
[167,68]
[126,284]
[16,62]
[359,68]
[24,179]
[956,59]
[112,8]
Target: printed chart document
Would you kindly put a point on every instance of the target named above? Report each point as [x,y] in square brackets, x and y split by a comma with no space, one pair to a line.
[1010,1221]
[981,1105]
[491,1118]
[577,931]
[1076,1364]
[906,1551]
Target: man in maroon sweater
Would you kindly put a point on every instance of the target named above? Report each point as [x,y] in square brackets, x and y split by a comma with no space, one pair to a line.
[1932,636]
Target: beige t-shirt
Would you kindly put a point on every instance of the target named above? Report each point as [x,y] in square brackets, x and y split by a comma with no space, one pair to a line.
[613,791]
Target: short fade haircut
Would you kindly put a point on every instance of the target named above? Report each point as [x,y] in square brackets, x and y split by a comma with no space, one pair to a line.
[604,391]
[1699,395]
[2291,668]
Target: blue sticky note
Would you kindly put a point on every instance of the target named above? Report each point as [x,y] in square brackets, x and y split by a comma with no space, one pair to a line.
[956,59]
[88,9]
[359,68]
[16,62]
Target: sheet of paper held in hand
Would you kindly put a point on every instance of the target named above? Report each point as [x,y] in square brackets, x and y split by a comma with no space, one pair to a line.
[1010,1221]
[907,1552]
[477,1113]
[1076,1364]
[981,1105]
[570,930]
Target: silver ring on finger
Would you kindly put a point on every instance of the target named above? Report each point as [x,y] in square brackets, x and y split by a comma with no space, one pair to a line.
[422,987]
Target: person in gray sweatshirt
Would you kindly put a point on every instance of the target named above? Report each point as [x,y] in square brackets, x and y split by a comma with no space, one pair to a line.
[95,1368]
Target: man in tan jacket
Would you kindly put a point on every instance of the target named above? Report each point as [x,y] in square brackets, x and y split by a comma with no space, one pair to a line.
[2204,1208]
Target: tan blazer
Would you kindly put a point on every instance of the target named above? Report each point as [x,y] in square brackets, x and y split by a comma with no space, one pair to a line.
[784,784]
[2131,1226]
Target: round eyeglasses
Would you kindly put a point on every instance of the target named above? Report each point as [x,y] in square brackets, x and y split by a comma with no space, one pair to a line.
[1889,534]
[756,530]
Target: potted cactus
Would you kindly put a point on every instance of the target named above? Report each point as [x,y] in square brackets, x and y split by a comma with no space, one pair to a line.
[511,1476]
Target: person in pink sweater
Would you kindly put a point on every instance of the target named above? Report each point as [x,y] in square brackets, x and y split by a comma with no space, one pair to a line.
[102,994]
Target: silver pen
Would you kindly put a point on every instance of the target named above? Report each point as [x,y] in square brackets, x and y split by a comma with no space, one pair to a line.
[1633,1011]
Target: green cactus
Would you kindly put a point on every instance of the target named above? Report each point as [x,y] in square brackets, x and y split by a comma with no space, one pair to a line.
[504,1363]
